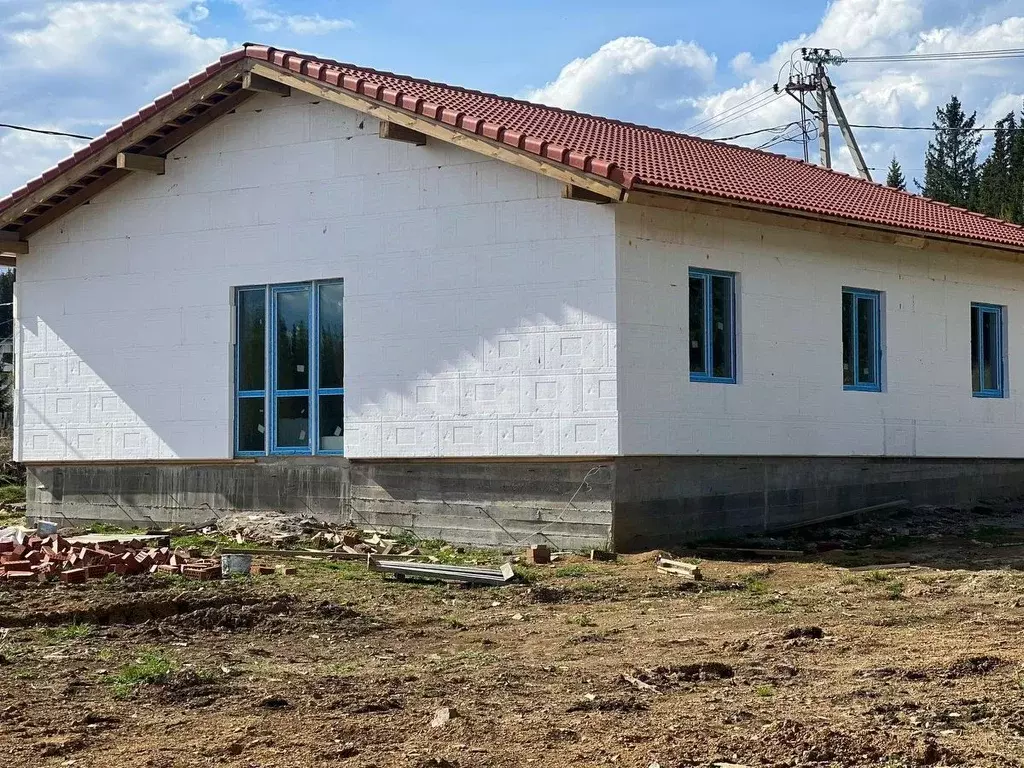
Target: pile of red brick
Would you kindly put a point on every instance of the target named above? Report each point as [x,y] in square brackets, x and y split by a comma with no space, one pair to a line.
[37,559]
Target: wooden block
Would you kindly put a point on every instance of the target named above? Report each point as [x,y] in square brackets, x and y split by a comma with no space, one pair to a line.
[538,554]
[130,161]
[396,132]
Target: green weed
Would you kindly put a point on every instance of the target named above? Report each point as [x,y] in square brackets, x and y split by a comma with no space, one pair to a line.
[583,620]
[151,668]
[765,691]
[73,631]
[12,494]
[894,590]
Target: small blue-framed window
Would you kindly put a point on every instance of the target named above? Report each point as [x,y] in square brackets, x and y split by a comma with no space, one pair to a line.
[988,363]
[289,372]
[862,340]
[712,326]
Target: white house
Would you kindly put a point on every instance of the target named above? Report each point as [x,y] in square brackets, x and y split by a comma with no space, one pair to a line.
[293,283]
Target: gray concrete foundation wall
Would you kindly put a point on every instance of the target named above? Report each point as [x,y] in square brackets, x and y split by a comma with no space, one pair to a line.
[629,503]
[660,501]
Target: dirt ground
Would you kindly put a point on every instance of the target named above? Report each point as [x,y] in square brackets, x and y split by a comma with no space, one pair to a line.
[787,663]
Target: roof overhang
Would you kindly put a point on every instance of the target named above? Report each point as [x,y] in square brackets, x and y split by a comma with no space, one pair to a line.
[739,210]
[156,131]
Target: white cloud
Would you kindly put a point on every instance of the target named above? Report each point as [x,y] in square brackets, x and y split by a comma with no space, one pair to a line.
[677,86]
[82,66]
[630,78]
[198,13]
[265,18]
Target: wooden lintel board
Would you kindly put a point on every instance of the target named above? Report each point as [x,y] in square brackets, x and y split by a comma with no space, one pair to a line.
[450,134]
[396,132]
[259,84]
[130,161]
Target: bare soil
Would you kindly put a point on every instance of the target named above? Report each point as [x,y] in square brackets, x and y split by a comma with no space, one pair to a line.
[788,663]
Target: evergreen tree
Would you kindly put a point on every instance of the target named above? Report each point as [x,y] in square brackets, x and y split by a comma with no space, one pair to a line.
[951,164]
[1015,183]
[896,179]
[994,195]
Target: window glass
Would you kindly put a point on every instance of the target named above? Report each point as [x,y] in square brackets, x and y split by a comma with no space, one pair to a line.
[332,351]
[697,330]
[332,422]
[721,327]
[849,347]
[989,351]
[867,354]
[292,422]
[975,349]
[251,421]
[292,339]
[251,339]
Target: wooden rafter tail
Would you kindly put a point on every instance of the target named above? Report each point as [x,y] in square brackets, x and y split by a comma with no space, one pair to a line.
[259,84]
[130,161]
[396,132]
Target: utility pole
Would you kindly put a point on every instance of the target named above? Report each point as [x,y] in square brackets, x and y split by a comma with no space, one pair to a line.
[824,145]
[825,97]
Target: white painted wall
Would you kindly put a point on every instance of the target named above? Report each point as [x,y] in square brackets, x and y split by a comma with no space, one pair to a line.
[479,306]
[789,399]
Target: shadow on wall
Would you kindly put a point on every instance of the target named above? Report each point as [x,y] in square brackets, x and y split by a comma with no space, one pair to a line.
[542,384]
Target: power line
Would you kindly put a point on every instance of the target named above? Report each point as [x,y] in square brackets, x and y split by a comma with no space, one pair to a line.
[45,132]
[754,133]
[705,124]
[1004,53]
[718,124]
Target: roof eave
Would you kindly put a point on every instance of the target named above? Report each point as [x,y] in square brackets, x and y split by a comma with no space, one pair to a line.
[908,237]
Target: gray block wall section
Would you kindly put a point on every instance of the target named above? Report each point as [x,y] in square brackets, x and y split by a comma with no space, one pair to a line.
[628,503]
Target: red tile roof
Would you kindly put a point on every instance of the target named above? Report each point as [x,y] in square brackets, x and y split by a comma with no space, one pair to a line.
[629,155]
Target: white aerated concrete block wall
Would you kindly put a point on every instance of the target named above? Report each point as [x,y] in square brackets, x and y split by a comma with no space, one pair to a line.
[479,306]
[789,399]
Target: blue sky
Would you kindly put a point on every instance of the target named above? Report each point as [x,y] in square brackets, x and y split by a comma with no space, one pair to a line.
[82,65]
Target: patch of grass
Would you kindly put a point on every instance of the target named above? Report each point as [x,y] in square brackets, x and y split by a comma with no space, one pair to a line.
[765,691]
[206,543]
[573,571]
[151,668]
[68,633]
[756,584]
[453,623]
[12,494]
[877,577]
[894,590]
[583,620]
[108,528]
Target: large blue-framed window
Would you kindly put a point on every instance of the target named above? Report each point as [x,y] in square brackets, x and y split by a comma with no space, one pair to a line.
[712,326]
[987,350]
[289,372]
[862,340]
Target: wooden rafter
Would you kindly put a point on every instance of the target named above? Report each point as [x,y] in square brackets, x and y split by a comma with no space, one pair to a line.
[449,134]
[107,155]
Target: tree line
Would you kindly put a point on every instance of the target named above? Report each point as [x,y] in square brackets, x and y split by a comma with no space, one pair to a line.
[953,173]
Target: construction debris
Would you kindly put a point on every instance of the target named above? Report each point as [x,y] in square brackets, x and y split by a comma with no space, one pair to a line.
[602,556]
[402,569]
[538,554]
[32,559]
[678,568]
[882,567]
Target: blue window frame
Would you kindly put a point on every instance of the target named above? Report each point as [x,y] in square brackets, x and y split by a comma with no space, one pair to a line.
[712,326]
[289,369]
[862,340]
[987,350]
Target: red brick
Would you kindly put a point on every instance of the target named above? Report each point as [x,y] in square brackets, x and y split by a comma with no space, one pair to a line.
[6,546]
[262,570]
[287,570]
[17,565]
[97,570]
[21,576]
[74,576]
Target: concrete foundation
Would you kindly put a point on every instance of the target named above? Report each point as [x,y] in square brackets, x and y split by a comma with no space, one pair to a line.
[628,503]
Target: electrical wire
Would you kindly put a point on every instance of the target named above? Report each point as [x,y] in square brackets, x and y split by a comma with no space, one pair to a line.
[1005,53]
[754,133]
[45,132]
[771,97]
[711,119]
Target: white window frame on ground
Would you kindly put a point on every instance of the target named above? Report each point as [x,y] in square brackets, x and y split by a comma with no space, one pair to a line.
[276,390]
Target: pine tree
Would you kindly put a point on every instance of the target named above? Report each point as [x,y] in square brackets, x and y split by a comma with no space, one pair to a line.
[1015,183]
[951,164]
[896,179]
[994,191]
